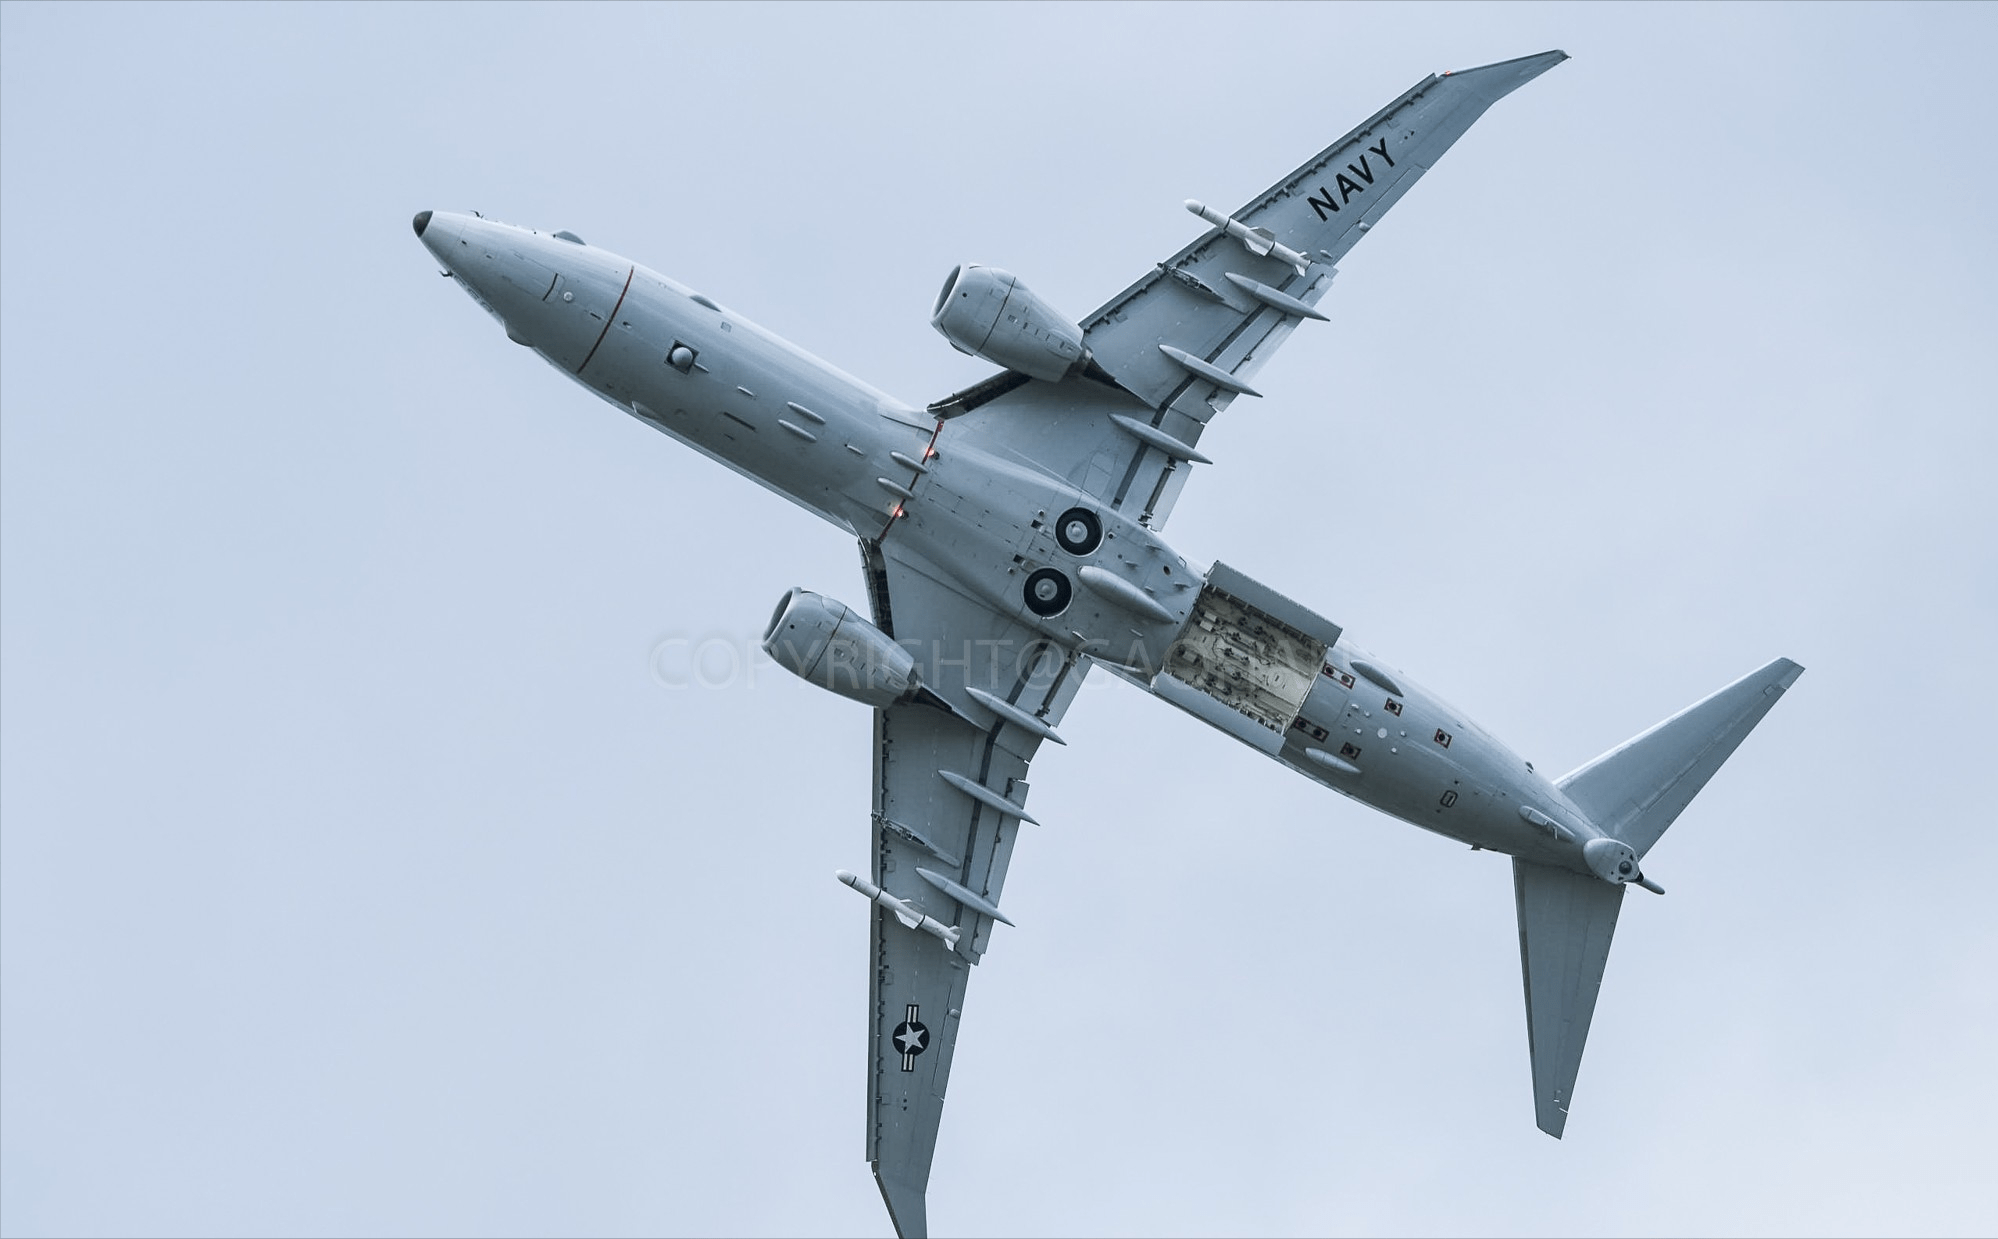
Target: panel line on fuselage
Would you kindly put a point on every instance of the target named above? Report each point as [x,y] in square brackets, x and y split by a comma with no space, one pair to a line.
[622,292]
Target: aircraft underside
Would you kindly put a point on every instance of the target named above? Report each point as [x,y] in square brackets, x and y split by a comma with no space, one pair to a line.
[1010,545]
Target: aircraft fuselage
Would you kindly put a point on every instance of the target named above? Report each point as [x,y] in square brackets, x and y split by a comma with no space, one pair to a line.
[882,469]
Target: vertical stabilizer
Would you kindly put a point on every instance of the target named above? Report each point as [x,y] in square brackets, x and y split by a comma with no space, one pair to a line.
[1634,791]
[1566,920]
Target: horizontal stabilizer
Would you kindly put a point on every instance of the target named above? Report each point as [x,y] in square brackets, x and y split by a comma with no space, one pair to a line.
[1566,920]
[1634,791]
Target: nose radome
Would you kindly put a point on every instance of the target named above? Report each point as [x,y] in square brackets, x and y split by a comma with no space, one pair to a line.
[421,222]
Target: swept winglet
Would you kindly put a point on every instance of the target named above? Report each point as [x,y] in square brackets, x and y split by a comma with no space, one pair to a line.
[908,1207]
[1496,81]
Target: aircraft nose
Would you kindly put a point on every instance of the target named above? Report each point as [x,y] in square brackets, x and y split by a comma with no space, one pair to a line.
[421,222]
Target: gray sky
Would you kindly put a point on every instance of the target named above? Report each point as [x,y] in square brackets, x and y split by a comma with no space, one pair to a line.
[362,872]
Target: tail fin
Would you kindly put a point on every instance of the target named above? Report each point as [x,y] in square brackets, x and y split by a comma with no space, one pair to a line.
[1566,920]
[1634,791]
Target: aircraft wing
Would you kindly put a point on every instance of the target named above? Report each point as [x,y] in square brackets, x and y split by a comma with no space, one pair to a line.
[949,787]
[1183,342]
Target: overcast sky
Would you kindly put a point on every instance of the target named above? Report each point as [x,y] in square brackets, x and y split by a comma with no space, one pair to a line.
[368,864]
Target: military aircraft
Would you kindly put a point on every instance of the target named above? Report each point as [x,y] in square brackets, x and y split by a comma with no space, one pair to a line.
[1009,542]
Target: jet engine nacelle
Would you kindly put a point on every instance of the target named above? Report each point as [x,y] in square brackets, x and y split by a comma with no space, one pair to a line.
[821,640]
[989,313]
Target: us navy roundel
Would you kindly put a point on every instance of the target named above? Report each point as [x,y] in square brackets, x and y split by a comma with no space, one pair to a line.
[910,1038]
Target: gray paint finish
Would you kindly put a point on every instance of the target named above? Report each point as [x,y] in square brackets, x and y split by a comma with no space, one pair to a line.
[1006,581]
[373,850]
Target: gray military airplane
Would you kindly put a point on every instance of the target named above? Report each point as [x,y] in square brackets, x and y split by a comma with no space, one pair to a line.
[1009,540]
